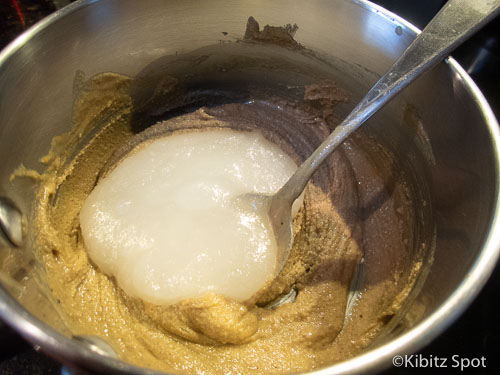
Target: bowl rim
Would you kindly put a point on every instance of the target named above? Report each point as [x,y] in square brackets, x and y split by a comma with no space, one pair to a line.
[70,352]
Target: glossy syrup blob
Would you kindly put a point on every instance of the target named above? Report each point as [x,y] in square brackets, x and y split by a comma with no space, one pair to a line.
[166,224]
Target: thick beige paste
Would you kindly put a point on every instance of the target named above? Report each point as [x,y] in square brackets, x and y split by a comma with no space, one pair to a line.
[338,224]
[355,208]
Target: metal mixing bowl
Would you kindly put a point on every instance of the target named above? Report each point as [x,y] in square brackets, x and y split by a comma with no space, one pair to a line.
[457,140]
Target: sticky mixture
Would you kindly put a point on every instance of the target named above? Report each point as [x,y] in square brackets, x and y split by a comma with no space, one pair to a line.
[349,214]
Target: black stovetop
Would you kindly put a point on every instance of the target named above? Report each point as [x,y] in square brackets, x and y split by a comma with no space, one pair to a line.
[475,334]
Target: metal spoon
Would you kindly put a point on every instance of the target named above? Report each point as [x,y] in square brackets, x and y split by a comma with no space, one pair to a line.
[456,22]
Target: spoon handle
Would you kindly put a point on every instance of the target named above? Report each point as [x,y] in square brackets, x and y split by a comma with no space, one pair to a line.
[455,23]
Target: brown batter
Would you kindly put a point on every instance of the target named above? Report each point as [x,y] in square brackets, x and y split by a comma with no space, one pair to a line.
[349,213]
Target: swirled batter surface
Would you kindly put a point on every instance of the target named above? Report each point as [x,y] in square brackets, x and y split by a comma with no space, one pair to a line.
[350,212]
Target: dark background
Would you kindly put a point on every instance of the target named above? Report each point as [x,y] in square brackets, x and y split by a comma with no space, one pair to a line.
[475,334]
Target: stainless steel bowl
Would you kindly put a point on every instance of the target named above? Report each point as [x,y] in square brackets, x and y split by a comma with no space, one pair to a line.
[457,137]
